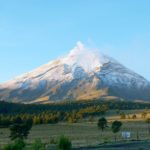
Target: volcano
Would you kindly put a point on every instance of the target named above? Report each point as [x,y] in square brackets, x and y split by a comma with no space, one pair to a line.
[83,74]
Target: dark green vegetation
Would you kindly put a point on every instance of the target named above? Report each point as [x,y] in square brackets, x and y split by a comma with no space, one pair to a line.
[64,143]
[102,123]
[57,112]
[52,113]
[116,126]
[18,144]
[68,106]
[20,128]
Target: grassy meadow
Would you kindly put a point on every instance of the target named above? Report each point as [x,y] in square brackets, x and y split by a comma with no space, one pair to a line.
[86,133]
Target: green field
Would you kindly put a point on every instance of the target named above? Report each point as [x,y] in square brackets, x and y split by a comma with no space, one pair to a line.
[85,133]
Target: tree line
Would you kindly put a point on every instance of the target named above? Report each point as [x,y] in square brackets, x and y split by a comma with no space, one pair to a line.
[65,111]
[69,106]
[51,117]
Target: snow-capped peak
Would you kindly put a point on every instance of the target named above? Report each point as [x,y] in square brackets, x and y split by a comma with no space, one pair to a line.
[84,73]
[87,58]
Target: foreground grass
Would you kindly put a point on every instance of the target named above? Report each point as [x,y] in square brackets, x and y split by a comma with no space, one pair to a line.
[81,134]
[84,133]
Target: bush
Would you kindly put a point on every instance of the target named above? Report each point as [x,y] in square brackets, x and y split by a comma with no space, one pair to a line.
[38,145]
[134,116]
[122,115]
[17,145]
[64,143]
[53,141]
[20,129]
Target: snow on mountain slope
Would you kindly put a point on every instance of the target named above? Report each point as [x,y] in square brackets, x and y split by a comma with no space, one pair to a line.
[83,74]
[85,58]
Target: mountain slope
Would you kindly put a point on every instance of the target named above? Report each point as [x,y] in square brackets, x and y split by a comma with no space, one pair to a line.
[82,74]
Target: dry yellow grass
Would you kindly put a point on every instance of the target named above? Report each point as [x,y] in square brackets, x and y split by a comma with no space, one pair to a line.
[129,117]
[40,100]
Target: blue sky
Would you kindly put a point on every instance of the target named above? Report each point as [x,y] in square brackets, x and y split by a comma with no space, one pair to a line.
[33,32]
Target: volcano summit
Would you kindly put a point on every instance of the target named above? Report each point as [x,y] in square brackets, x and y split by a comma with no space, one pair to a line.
[82,75]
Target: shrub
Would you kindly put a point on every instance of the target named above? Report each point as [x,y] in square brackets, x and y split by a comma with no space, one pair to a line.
[102,123]
[53,141]
[17,145]
[64,143]
[134,116]
[20,129]
[38,145]
[116,126]
[122,115]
